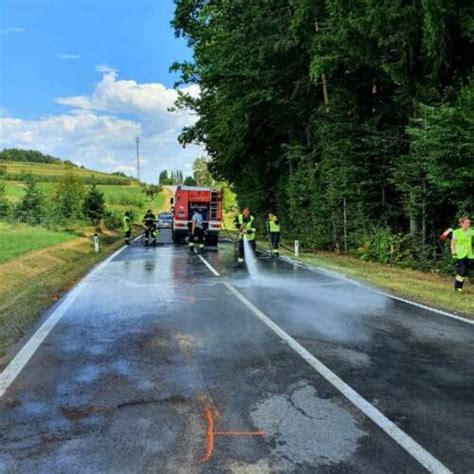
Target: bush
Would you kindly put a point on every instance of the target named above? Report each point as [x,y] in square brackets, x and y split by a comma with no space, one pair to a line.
[382,246]
[123,199]
[4,203]
[112,219]
[31,207]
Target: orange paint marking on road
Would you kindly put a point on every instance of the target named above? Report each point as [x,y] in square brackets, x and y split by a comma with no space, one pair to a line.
[211,434]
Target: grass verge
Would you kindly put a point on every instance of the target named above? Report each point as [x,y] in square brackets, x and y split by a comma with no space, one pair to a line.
[428,288]
[18,239]
[40,265]
[38,278]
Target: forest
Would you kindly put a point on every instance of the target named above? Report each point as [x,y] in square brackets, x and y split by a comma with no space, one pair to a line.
[30,156]
[353,120]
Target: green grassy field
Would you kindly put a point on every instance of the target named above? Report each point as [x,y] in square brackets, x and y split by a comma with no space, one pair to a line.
[119,197]
[51,169]
[18,239]
[14,191]
[37,279]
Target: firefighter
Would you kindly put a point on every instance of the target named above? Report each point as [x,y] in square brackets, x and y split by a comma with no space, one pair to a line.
[197,231]
[149,223]
[127,227]
[273,229]
[245,223]
[447,234]
[463,253]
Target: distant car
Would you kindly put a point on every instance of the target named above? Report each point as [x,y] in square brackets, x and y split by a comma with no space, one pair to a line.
[165,220]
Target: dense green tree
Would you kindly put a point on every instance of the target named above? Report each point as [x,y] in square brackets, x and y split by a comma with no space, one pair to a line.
[201,173]
[94,205]
[69,197]
[32,156]
[163,178]
[190,181]
[4,203]
[353,119]
[31,208]
[152,190]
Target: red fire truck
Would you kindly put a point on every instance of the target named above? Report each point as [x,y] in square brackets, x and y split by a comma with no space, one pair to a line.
[209,203]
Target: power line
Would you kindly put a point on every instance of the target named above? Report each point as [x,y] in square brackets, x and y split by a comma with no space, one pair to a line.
[137,141]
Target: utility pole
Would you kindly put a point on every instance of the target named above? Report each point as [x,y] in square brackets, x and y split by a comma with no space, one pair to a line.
[137,141]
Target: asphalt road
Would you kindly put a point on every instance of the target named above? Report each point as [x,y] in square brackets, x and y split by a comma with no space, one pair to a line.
[157,366]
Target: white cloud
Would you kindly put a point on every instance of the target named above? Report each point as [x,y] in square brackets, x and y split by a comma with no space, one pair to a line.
[98,129]
[104,68]
[68,56]
[115,95]
[13,29]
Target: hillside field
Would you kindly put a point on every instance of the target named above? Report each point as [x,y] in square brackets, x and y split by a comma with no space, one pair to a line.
[53,169]
[121,194]
[116,196]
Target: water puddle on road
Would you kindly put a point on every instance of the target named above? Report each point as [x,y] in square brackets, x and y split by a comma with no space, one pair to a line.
[303,426]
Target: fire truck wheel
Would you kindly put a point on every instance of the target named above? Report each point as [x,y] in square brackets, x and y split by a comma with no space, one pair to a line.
[177,239]
[211,240]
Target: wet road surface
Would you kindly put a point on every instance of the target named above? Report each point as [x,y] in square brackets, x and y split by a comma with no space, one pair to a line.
[156,349]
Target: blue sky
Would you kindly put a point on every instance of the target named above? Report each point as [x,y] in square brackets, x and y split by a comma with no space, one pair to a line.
[78,76]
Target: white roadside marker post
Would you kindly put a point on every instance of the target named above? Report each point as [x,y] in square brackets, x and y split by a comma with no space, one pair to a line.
[297,248]
[96,243]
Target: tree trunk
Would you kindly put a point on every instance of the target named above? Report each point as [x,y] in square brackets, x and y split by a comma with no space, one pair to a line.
[423,216]
[413,223]
[323,76]
[345,225]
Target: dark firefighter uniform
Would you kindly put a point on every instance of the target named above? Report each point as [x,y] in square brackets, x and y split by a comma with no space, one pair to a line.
[464,255]
[246,224]
[273,228]
[149,222]
[196,232]
[127,227]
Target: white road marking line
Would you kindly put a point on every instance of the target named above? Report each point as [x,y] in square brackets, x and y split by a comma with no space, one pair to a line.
[208,265]
[17,364]
[373,290]
[422,306]
[417,451]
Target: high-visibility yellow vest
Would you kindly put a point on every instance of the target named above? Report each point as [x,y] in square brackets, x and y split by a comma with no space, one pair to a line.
[274,224]
[127,225]
[464,243]
[249,226]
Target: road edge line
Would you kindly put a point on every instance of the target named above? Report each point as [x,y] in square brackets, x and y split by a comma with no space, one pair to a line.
[420,454]
[335,274]
[424,457]
[23,356]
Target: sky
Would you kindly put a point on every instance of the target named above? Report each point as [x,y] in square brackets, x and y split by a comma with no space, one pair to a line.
[80,79]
